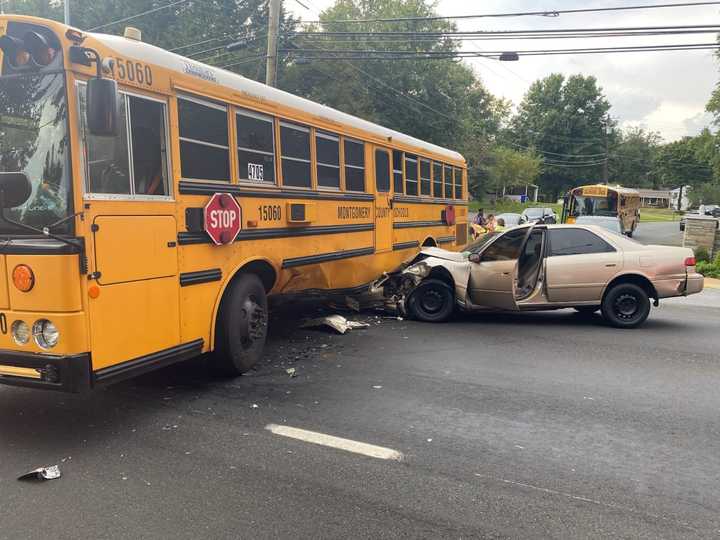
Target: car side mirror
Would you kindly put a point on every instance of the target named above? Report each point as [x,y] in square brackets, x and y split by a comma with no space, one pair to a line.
[474,258]
[15,189]
[102,107]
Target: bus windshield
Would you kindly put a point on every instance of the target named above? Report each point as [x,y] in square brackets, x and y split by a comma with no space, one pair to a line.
[594,206]
[34,140]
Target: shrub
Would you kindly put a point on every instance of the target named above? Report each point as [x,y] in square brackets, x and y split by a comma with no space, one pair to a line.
[702,255]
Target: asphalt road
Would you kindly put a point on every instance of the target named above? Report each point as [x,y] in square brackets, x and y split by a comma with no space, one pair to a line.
[666,233]
[534,425]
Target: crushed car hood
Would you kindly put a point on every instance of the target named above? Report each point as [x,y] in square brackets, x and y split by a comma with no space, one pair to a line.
[444,254]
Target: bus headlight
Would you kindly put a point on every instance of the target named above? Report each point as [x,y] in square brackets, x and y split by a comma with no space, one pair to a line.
[45,333]
[20,332]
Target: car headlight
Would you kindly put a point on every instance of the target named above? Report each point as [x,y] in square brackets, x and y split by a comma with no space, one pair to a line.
[45,333]
[420,269]
[20,332]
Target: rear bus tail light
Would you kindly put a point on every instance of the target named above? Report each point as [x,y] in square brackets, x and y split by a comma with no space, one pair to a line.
[690,261]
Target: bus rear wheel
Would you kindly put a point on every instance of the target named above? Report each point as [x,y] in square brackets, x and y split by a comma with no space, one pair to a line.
[242,327]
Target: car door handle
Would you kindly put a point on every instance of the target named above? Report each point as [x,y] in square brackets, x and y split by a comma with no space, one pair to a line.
[506,273]
[611,265]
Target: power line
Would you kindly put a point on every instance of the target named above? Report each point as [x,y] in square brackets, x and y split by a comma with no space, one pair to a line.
[132,17]
[551,13]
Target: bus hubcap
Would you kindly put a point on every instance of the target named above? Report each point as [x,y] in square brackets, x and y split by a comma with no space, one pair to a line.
[626,306]
[255,319]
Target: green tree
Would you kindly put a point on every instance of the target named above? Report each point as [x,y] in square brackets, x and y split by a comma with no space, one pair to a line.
[681,163]
[632,158]
[566,120]
[506,168]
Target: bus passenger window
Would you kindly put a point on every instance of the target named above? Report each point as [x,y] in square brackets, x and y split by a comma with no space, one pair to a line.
[149,147]
[295,150]
[354,165]
[107,158]
[437,180]
[256,147]
[458,183]
[204,148]
[328,160]
[398,172]
[411,175]
[448,182]
[425,185]
[382,171]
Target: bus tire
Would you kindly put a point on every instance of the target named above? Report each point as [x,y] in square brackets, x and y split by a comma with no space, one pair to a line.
[242,327]
[626,306]
[431,301]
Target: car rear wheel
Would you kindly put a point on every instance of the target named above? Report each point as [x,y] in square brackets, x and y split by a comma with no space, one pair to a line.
[626,306]
[431,301]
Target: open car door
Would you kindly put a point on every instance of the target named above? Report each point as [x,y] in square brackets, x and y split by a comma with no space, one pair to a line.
[494,271]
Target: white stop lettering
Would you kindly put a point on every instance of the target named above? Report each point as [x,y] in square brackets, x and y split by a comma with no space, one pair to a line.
[222,218]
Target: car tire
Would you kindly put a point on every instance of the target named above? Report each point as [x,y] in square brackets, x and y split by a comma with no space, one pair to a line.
[431,301]
[587,311]
[626,306]
[241,328]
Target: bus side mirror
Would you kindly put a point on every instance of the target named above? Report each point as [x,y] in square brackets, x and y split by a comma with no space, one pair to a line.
[15,189]
[102,107]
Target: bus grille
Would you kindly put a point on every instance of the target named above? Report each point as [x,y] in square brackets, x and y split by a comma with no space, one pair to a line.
[461,234]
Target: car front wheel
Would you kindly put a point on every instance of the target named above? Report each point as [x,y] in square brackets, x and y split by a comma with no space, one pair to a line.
[626,306]
[431,301]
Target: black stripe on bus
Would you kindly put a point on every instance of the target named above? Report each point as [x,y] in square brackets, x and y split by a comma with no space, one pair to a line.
[202,276]
[201,237]
[325,257]
[445,239]
[149,362]
[426,200]
[188,187]
[417,224]
[406,245]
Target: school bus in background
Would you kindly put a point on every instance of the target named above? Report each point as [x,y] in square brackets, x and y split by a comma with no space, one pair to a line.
[111,148]
[603,200]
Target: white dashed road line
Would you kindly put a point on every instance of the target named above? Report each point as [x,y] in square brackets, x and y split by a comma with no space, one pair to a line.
[348,445]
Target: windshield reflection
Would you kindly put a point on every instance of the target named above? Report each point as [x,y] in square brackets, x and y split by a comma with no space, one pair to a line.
[34,140]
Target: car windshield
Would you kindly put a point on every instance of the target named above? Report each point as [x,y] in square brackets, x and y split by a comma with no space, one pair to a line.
[34,140]
[480,242]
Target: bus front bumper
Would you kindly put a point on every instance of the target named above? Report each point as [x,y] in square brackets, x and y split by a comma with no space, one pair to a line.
[64,373]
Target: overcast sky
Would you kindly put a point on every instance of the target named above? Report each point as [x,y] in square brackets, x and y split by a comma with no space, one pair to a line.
[662,91]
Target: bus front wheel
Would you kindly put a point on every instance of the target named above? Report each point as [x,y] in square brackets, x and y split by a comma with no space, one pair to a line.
[242,327]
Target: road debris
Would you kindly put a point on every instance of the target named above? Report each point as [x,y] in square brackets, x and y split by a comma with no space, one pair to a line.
[291,371]
[377,387]
[43,473]
[337,322]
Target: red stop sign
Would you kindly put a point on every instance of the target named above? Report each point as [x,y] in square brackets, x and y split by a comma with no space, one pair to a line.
[223,218]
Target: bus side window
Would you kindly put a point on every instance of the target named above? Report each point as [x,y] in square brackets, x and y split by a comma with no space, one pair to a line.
[149,147]
[354,165]
[295,154]
[382,171]
[328,159]
[437,180]
[110,170]
[411,175]
[425,185]
[458,183]
[204,146]
[256,147]
[107,158]
[398,172]
[448,182]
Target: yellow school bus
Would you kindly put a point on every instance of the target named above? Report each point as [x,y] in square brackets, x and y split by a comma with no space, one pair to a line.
[111,151]
[601,200]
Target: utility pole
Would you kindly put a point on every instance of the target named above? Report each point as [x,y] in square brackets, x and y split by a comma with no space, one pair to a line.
[606,173]
[66,9]
[272,42]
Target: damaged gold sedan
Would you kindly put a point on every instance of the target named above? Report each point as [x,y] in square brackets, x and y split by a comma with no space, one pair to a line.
[543,267]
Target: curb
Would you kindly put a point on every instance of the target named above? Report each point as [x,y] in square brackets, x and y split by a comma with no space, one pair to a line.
[712,283]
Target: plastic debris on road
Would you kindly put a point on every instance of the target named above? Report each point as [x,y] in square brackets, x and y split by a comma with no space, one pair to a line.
[337,322]
[43,473]
[291,371]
